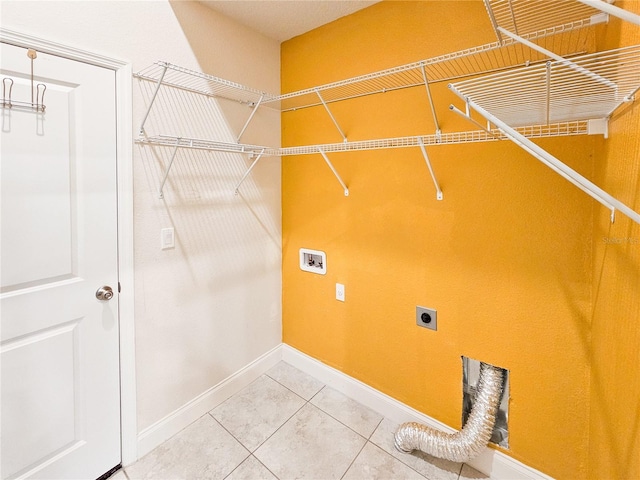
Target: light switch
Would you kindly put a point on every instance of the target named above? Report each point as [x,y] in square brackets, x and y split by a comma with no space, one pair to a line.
[340,292]
[167,238]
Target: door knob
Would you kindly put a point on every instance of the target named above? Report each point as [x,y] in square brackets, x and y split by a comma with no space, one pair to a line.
[104,293]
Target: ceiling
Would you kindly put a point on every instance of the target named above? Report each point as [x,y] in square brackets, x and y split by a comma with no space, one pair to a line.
[285,19]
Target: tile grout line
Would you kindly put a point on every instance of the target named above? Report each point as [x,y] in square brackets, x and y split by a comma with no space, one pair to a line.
[232,436]
[267,468]
[354,458]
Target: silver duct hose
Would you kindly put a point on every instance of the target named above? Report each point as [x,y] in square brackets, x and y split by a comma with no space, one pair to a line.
[474,436]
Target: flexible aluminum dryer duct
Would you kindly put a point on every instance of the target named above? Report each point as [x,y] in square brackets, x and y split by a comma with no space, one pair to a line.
[474,436]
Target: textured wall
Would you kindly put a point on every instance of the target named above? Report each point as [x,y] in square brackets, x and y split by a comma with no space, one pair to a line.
[615,358]
[213,304]
[505,258]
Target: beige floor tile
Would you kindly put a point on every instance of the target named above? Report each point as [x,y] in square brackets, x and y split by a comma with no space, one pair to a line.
[203,450]
[431,467]
[251,469]
[353,414]
[470,473]
[295,380]
[311,445]
[373,463]
[254,413]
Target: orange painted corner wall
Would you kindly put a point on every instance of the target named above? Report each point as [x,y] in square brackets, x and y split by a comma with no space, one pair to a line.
[614,438]
[505,258]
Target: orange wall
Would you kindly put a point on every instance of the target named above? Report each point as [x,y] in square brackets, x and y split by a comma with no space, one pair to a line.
[505,258]
[615,359]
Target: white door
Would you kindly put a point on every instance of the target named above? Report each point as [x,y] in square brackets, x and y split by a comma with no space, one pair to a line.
[59,344]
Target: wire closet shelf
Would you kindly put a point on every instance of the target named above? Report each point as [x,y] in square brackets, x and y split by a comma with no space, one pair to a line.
[587,87]
[563,29]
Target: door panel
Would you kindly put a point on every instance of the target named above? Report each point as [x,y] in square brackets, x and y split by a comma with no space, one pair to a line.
[59,344]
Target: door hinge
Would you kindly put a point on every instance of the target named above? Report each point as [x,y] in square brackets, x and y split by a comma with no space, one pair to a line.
[119,287]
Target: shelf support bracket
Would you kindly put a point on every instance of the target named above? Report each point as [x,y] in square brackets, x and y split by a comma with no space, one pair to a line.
[439,195]
[326,159]
[153,98]
[554,164]
[246,174]
[166,173]
[326,107]
[255,109]
[433,108]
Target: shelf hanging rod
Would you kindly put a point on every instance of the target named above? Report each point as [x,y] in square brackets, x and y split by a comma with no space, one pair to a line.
[246,174]
[552,162]
[166,173]
[326,159]
[326,107]
[607,7]
[153,98]
[439,195]
[433,108]
[253,112]
[560,59]
[468,117]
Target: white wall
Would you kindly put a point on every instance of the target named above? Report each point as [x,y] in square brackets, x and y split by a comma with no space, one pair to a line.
[213,304]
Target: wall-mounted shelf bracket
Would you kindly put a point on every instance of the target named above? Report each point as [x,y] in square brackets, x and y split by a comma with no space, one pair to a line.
[433,108]
[556,165]
[166,173]
[153,98]
[326,159]
[253,112]
[326,107]
[246,174]
[439,195]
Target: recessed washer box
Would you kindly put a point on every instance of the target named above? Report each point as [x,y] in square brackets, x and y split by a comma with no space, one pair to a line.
[313,261]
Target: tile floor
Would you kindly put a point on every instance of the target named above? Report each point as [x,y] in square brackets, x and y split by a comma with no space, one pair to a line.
[288,425]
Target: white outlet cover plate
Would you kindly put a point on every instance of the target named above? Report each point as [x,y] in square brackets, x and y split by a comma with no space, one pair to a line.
[340,292]
[167,238]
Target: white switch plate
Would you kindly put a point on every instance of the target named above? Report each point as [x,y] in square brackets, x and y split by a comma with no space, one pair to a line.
[340,292]
[167,238]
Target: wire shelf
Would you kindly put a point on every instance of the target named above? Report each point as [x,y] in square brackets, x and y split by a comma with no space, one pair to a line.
[525,17]
[202,83]
[588,87]
[560,26]
[566,39]
[536,131]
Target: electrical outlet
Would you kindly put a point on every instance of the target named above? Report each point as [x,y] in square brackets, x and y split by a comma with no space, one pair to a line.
[427,318]
[340,292]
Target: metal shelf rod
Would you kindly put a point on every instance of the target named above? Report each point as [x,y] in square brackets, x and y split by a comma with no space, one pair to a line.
[255,109]
[246,174]
[153,98]
[326,107]
[326,159]
[439,195]
[166,173]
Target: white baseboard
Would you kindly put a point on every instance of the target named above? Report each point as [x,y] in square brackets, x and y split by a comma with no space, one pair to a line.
[493,463]
[164,429]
